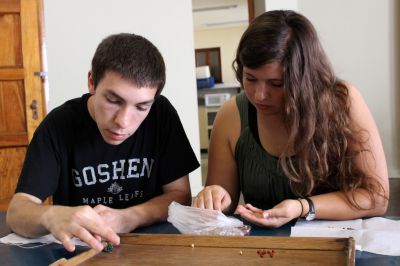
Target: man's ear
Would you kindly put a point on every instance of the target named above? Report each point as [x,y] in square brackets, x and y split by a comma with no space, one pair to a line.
[91,83]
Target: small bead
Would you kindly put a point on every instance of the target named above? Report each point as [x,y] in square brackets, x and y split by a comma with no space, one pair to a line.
[108,248]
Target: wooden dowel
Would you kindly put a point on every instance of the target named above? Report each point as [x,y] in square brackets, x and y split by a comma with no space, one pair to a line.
[77,259]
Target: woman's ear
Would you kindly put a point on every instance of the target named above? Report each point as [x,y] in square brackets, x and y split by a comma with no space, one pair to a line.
[91,83]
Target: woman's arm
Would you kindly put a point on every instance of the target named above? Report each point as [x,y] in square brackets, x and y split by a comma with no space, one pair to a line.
[372,162]
[222,187]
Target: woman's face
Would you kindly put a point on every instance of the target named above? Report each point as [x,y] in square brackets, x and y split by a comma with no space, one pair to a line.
[264,88]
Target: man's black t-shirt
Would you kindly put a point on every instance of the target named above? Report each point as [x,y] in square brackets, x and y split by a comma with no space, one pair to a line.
[69,159]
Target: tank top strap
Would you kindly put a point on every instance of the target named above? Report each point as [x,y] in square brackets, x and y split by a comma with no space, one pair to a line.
[243,106]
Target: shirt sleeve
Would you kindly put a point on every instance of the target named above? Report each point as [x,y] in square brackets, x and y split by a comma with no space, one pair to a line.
[177,156]
[40,171]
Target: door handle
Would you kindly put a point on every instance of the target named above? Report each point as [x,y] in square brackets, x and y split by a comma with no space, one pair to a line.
[34,108]
[41,74]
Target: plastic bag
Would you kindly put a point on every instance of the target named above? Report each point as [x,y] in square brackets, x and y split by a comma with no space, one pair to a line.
[197,221]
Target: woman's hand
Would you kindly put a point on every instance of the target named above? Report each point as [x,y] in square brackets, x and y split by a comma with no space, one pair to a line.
[213,197]
[279,215]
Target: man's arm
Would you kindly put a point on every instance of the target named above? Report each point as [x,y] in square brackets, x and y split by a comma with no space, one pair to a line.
[149,212]
[28,217]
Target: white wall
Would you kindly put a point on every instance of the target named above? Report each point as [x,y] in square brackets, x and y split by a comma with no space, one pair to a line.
[279,4]
[359,38]
[74,28]
[225,38]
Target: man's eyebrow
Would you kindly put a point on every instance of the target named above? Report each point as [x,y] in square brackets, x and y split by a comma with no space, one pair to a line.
[115,95]
[146,102]
[122,99]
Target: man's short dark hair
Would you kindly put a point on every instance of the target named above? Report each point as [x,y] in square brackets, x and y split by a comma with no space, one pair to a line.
[133,57]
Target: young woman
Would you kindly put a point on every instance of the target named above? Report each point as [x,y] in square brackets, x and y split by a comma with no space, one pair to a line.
[298,141]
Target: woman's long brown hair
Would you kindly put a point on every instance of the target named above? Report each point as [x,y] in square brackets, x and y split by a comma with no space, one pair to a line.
[316,109]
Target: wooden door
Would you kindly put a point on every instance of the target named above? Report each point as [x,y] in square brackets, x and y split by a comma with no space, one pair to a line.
[210,57]
[22,104]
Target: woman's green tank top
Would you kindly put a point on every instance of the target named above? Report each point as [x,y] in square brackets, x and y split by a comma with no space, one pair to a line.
[262,183]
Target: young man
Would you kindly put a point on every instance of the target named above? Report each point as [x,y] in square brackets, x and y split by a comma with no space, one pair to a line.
[113,160]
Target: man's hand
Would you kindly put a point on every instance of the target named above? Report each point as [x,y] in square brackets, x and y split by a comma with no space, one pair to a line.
[82,222]
[117,219]
[279,215]
[213,197]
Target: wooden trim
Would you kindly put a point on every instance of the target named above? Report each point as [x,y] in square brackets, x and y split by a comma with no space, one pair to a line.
[312,243]
[12,74]
[42,39]
[250,6]
[30,29]
[14,140]
[10,6]
[4,204]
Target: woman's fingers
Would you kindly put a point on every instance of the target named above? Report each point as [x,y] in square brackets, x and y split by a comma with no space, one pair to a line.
[252,208]
[213,198]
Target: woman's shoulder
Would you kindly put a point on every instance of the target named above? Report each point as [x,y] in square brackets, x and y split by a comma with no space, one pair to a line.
[352,91]
[227,122]
[355,97]
[360,114]
[229,111]
[234,107]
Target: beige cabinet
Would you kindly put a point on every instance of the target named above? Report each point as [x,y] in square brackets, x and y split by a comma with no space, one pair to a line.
[206,120]
[203,128]
[209,102]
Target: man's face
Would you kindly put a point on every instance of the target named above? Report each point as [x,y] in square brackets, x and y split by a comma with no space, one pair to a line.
[118,106]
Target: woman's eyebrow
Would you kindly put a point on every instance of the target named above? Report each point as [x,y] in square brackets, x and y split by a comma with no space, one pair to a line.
[247,73]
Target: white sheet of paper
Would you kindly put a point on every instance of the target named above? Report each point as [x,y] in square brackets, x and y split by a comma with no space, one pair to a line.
[327,232]
[376,235]
[353,224]
[15,239]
